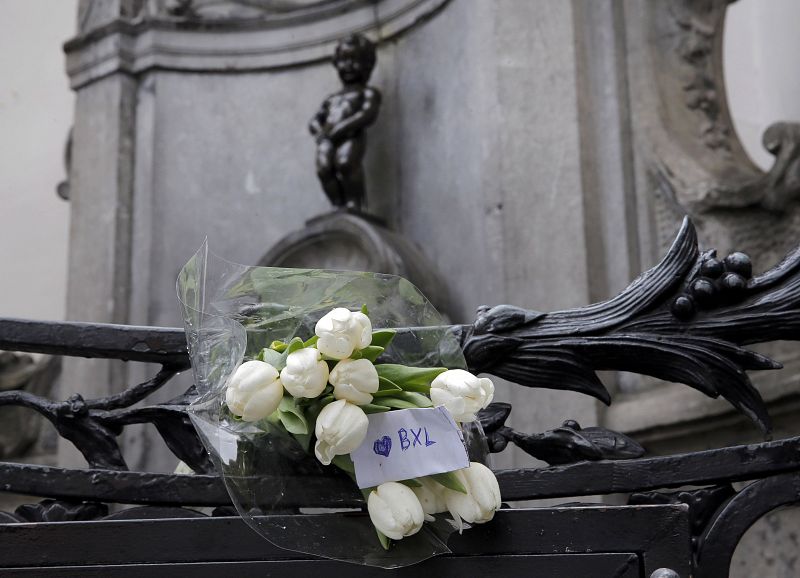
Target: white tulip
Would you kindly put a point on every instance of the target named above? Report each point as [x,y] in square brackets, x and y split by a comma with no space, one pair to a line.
[395,511]
[462,393]
[341,428]
[342,331]
[254,391]
[354,380]
[431,496]
[482,499]
[305,374]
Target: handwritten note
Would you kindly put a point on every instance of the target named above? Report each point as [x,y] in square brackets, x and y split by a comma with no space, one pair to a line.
[409,443]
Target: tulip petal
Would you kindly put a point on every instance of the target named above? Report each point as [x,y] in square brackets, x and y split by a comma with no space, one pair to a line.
[253,390]
[395,510]
[341,427]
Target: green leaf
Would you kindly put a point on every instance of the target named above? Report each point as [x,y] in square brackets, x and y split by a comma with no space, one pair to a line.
[412,483]
[374,408]
[389,389]
[344,463]
[387,384]
[311,341]
[303,440]
[419,388]
[292,416]
[449,480]
[294,345]
[294,424]
[385,392]
[416,398]
[279,346]
[364,310]
[409,378]
[271,356]
[396,403]
[383,337]
[371,352]
[386,542]
[386,387]
[272,419]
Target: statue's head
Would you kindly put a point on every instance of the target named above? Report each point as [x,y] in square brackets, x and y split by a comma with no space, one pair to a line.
[354,59]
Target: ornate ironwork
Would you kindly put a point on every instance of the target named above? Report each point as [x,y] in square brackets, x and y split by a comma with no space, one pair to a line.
[685,321]
[703,503]
[645,329]
[567,444]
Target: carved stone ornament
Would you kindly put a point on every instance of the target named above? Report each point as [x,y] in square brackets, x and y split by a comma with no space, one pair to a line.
[690,159]
[681,100]
[134,36]
[236,9]
[22,373]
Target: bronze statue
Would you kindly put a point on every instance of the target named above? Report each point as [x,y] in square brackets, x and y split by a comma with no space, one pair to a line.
[339,125]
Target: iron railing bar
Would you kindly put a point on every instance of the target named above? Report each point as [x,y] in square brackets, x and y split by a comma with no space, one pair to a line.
[737,463]
[163,345]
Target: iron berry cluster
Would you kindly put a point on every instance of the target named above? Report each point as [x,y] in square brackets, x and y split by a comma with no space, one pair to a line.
[717,282]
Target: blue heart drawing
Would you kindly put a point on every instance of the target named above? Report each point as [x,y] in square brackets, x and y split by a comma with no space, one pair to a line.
[383,446]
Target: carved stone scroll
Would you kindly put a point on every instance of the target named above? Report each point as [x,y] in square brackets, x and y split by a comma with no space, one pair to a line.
[134,36]
[681,107]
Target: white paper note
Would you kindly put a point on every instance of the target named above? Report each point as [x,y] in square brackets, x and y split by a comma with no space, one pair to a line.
[409,443]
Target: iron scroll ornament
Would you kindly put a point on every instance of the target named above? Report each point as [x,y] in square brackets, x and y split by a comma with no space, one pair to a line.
[685,320]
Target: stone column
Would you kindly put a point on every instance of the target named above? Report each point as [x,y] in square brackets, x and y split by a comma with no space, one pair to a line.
[101,180]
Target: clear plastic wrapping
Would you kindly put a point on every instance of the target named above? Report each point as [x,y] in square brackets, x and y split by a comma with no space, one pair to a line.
[231,312]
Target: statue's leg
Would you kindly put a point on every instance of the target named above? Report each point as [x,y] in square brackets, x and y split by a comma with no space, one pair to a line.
[350,170]
[326,171]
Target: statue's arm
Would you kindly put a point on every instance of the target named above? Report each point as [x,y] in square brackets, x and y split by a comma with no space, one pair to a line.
[361,119]
[317,122]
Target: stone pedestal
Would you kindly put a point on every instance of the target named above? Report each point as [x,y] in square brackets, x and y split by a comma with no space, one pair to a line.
[354,241]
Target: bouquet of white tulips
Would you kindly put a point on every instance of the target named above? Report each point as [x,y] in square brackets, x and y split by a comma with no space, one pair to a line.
[276,378]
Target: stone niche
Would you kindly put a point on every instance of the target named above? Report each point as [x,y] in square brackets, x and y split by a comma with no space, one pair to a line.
[356,242]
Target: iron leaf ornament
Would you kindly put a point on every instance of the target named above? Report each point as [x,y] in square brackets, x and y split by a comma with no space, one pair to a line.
[685,320]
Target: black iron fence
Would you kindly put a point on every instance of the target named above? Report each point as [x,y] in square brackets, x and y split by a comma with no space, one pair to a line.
[668,324]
